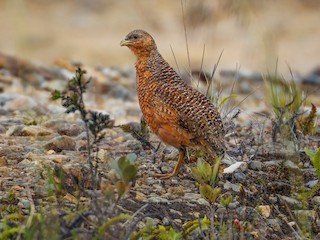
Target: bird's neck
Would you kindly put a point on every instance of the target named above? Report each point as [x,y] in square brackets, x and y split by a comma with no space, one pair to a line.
[144,56]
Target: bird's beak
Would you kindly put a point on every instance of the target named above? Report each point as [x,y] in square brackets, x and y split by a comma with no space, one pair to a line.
[124,43]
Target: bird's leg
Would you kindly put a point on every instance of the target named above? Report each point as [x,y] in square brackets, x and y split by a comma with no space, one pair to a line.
[175,171]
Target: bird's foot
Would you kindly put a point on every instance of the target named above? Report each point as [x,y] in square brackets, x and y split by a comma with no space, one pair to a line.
[164,176]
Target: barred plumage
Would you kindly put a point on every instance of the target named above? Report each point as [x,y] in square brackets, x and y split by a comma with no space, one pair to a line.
[180,115]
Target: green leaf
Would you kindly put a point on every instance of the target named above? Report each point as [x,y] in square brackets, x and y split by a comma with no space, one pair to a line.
[129,173]
[315,159]
[227,98]
[209,193]
[215,172]
[103,229]
[123,162]
[132,157]
[202,173]
[170,234]
[226,201]
[191,226]
[197,174]
[121,188]
[55,95]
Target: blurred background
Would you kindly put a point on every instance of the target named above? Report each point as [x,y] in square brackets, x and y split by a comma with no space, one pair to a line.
[252,34]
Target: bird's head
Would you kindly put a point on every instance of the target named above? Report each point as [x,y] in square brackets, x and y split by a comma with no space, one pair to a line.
[140,43]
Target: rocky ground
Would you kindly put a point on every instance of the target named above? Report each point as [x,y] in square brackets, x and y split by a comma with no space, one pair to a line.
[36,135]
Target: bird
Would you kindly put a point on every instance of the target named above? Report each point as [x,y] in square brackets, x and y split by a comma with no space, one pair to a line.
[178,114]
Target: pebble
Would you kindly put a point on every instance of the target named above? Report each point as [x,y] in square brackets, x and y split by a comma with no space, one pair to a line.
[192,196]
[312,183]
[234,205]
[264,210]
[316,201]
[240,176]
[61,143]
[231,186]
[255,165]
[14,130]
[273,199]
[35,131]
[13,102]
[157,199]
[25,203]
[274,223]
[2,129]
[291,166]
[292,202]
[70,130]
[273,163]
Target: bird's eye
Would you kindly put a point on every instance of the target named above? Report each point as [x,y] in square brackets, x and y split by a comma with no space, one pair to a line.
[135,36]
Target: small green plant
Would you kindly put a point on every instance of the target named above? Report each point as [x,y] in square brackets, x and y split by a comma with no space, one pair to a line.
[150,232]
[10,226]
[286,99]
[315,159]
[207,177]
[34,118]
[308,123]
[127,172]
[108,221]
[94,122]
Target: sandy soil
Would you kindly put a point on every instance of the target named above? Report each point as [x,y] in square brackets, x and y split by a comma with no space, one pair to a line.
[251,34]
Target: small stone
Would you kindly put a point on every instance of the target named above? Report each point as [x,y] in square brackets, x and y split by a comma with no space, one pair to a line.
[82,136]
[15,102]
[192,196]
[255,165]
[61,143]
[233,205]
[35,131]
[312,183]
[291,201]
[178,221]
[17,188]
[21,130]
[291,224]
[240,177]
[70,130]
[264,210]
[273,199]
[51,152]
[195,214]
[316,200]
[112,175]
[232,168]
[157,199]
[234,187]
[273,163]
[166,221]
[202,201]
[14,130]
[2,129]
[274,224]
[119,139]
[291,166]
[178,191]
[140,197]
[25,203]
[175,212]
